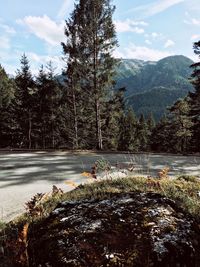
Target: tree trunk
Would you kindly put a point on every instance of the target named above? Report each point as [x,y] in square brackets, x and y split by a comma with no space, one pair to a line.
[52,124]
[97,102]
[98,126]
[52,131]
[29,129]
[43,137]
[75,145]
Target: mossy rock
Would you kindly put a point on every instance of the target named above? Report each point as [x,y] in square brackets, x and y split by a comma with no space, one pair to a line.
[123,229]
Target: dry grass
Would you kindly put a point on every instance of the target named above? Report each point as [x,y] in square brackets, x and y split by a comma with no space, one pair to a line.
[183,190]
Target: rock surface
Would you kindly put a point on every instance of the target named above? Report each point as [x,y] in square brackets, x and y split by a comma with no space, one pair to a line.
[126,229]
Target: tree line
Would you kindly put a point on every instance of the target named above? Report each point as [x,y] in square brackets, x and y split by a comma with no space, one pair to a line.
[83,111]
[179,130]
[41,112]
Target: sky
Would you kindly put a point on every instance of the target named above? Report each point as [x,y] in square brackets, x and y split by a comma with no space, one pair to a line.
[146,29]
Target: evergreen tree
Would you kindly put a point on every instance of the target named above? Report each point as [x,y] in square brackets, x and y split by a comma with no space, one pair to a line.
[25,102]
[113,118]
[93,39]
[42,112]
[181,125]
[72,81]
[150,127]
[194,100]
[161,136]
[8,123]
[142,133]
[54,96]
[150,122]
[128,140]
[49,108]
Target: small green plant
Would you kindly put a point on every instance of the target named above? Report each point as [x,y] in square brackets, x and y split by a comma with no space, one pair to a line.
[103,165]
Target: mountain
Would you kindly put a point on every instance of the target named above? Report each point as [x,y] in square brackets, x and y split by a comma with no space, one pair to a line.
[155,101]
[152,86]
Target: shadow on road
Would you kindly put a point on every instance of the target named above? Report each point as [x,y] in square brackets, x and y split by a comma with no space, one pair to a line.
[25,168]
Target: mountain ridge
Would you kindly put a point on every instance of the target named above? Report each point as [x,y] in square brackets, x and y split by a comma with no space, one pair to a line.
[168,77]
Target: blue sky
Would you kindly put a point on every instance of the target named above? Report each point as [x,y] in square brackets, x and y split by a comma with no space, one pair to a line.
[146,29]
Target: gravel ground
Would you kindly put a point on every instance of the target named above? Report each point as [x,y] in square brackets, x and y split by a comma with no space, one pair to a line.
[24,174]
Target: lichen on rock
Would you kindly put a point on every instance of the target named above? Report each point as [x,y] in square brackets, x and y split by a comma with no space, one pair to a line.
[124,229]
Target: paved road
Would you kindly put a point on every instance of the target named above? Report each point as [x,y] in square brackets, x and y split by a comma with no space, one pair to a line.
[24,174]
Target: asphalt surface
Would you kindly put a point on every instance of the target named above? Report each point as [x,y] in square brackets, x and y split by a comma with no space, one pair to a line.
[24,174]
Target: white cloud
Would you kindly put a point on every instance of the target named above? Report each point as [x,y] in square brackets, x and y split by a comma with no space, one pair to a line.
[37,60]
[148,42]
[11,61]
[65,8]
[195,37]
[6,33]
[192,21]
[156,7]
[195,21]
[45,29]
[130,26]
[7,29]
[169,43]
[155,34]
[141,52]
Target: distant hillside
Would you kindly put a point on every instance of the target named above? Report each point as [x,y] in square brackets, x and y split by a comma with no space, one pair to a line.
[155,101]
[152,86]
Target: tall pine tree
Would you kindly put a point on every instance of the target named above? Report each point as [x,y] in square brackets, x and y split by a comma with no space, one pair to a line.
[128,140]
[93,38]
[194,100]
[25,102]
[181,125]
[49,108]
[8,124]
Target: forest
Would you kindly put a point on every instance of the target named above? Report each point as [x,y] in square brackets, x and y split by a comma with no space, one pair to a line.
[85,110]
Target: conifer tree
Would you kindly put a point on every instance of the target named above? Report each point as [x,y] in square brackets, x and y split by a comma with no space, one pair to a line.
[49,107]
[8,124]
[194,100]
[142,133]
[150,122]
[150,127]
[161,136]
[25,98]
[54,96]
[42,112]
[113,118]
[128,140]
[93,39]
[72,80]
[181,125]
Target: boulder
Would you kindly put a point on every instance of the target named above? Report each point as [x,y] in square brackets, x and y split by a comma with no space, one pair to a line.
[124,229]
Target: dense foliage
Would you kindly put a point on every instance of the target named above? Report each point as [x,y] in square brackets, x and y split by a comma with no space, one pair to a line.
[90,67]
[86,110]
[180,130]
